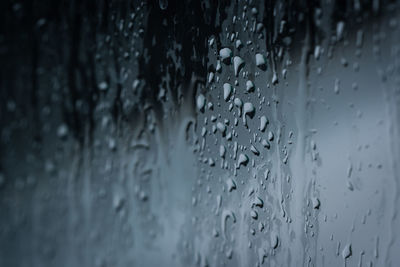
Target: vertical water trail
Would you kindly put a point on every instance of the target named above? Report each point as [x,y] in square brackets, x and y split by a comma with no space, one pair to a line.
[280,172]
[72,213]
[87,198]
[393,131]
[392,103]
[300,179]
[36,221]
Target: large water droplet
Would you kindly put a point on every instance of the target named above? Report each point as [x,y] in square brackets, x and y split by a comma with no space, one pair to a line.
[225,55]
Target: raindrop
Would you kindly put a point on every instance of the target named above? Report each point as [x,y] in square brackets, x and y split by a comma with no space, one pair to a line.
[346,253]
[263,123]
[254,150]
[231,184]
[210,77]
[221,127]
[118,202]
[254,214]
[225,54]
[218,67]
[262,254]
[270,136]
[103,86]
[274,240]
[260,61]
[258,202]
[242,160]
[274,78]
[201,101]
[238,44]
[315,203]
[222,151]
[339,30]
[238,64]
[227,91]
[238,102]
[248,109]
[265,143]
[62,131]
[249,86]
[337,86]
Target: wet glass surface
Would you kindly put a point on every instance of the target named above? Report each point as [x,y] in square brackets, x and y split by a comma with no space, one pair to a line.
[199,133]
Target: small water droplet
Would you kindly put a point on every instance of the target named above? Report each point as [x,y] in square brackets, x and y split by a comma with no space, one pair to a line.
[249,86]
[263,123]
[231,184]
[201,101]
[315,203]
[260,61]
[103,86]
[227,91]
[242,160]
[347,251]
[238,64]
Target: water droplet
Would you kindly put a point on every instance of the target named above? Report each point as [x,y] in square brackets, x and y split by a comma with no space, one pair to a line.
[224,217]
[350,186]
[266,174]
[221,127]
[254,150]
[339,30]
[215,233]
[103,86]
[62,131]
[346,253]
[242,160]
[229,253]
[118,202]
[254,214]
[222,151]
[201,101]
[315,203]
[258,202]
[337,86]
[231,184]
[274,78]
[210,77]
[249,86]
[248,109]
[238,44]
[263,123]
[274,240]
[238,102]
[317,52]
[270,136]
[218,67]
[238,64]
[225,54]
[265,143]
[260,61]
[262,254]
[135,84]
[227,91]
